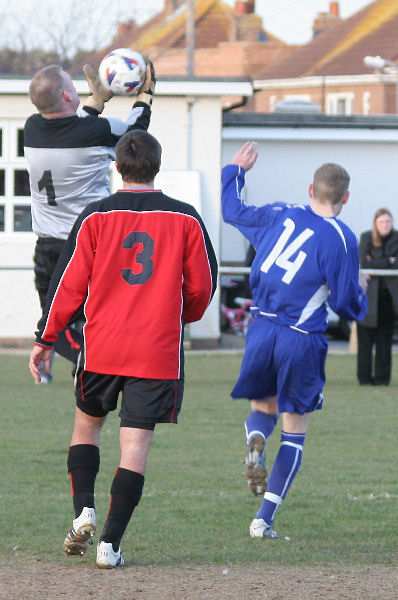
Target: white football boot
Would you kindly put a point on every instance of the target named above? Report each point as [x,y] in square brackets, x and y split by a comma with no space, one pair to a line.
[260,529]
[79,537]
[107,558]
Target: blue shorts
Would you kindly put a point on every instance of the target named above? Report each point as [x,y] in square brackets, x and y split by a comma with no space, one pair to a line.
[280,361]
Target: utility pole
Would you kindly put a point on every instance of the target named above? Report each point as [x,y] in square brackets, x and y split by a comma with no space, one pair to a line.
[190,37]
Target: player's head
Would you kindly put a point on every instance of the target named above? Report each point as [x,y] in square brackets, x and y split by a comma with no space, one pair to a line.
[330,184]
[52,91]
[138,156]
[382,225]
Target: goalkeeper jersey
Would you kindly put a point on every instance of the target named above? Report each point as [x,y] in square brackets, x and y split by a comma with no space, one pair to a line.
[68,162]
[303,261]
[142,265]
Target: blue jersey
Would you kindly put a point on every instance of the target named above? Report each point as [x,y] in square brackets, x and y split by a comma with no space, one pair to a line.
[303,261]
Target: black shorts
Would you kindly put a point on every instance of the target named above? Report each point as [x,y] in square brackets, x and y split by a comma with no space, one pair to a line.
[47,252]
[145,402]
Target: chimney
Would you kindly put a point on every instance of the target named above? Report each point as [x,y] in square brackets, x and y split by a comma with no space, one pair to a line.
[244,7]
[326,20]
[125,28]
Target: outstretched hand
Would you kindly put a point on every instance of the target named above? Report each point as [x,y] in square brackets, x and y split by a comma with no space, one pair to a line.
[147,90]
[38,355]
[246,156]
[98,94]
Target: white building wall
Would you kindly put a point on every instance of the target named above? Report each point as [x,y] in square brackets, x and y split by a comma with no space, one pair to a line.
[187,121]
[189,129]
[288,158]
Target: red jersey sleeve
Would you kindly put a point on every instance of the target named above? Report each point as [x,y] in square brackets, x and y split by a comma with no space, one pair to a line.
[199,272]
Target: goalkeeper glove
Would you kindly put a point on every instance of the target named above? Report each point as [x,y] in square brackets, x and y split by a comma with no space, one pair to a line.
[147,89]
[98,93]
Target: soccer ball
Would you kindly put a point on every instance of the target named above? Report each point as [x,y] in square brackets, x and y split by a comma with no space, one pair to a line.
[122,71]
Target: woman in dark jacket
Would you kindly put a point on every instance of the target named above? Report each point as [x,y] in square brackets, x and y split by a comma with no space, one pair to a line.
[378,249]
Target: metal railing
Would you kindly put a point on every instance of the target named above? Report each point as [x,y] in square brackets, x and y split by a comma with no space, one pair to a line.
[246,270]
[16,268]
[225,270]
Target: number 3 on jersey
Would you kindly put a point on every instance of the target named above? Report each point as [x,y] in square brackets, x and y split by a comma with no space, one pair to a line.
[144,257]
[281,253]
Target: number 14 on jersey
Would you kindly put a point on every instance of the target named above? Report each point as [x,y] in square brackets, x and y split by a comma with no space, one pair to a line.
[282,252]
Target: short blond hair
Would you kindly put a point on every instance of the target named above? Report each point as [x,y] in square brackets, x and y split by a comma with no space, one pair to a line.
[46,88]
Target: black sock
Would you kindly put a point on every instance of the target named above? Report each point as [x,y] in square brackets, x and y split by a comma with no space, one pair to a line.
[83,465]
[126,492]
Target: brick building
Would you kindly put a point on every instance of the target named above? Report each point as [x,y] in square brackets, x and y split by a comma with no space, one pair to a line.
[330,70]
[229,42]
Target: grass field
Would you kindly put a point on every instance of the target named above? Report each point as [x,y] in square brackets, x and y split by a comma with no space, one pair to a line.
[196,507]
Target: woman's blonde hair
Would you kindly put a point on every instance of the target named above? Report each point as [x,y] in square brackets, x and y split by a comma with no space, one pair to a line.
[376,239]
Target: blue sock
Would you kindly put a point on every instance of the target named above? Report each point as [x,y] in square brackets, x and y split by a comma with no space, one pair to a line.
[284,470]
[259,423]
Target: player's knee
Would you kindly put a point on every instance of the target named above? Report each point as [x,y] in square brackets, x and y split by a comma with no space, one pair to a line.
[267,405]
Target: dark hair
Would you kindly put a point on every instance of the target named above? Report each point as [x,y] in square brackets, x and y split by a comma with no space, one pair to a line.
[330,183]
[46,87]
[376,237]
[138,156]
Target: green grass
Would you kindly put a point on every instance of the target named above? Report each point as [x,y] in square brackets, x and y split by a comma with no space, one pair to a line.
[196,507]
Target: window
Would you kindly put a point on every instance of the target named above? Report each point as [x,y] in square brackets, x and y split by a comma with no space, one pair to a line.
[340,103]
[20,139]
[22,218]
[21,182]
[15,216]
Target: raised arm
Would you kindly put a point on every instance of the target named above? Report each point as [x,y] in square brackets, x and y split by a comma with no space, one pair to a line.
[246,156]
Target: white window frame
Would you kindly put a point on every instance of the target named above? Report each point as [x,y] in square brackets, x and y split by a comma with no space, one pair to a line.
[332,100]
[10,161]
[366,102]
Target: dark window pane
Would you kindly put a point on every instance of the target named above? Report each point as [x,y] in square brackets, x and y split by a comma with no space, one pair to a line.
[1,142]
[21,183]
[341,106]
[1,218]
[2,182]
[22,218]
[20,151]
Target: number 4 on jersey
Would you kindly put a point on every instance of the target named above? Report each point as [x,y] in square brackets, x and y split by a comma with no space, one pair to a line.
[281,254]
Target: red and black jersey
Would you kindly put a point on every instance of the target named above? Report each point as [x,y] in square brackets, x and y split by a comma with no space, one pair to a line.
[142,265]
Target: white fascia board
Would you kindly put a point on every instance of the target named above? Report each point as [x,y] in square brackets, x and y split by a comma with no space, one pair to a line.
[204,88]
[296,134]
[163,88]
[330,80]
